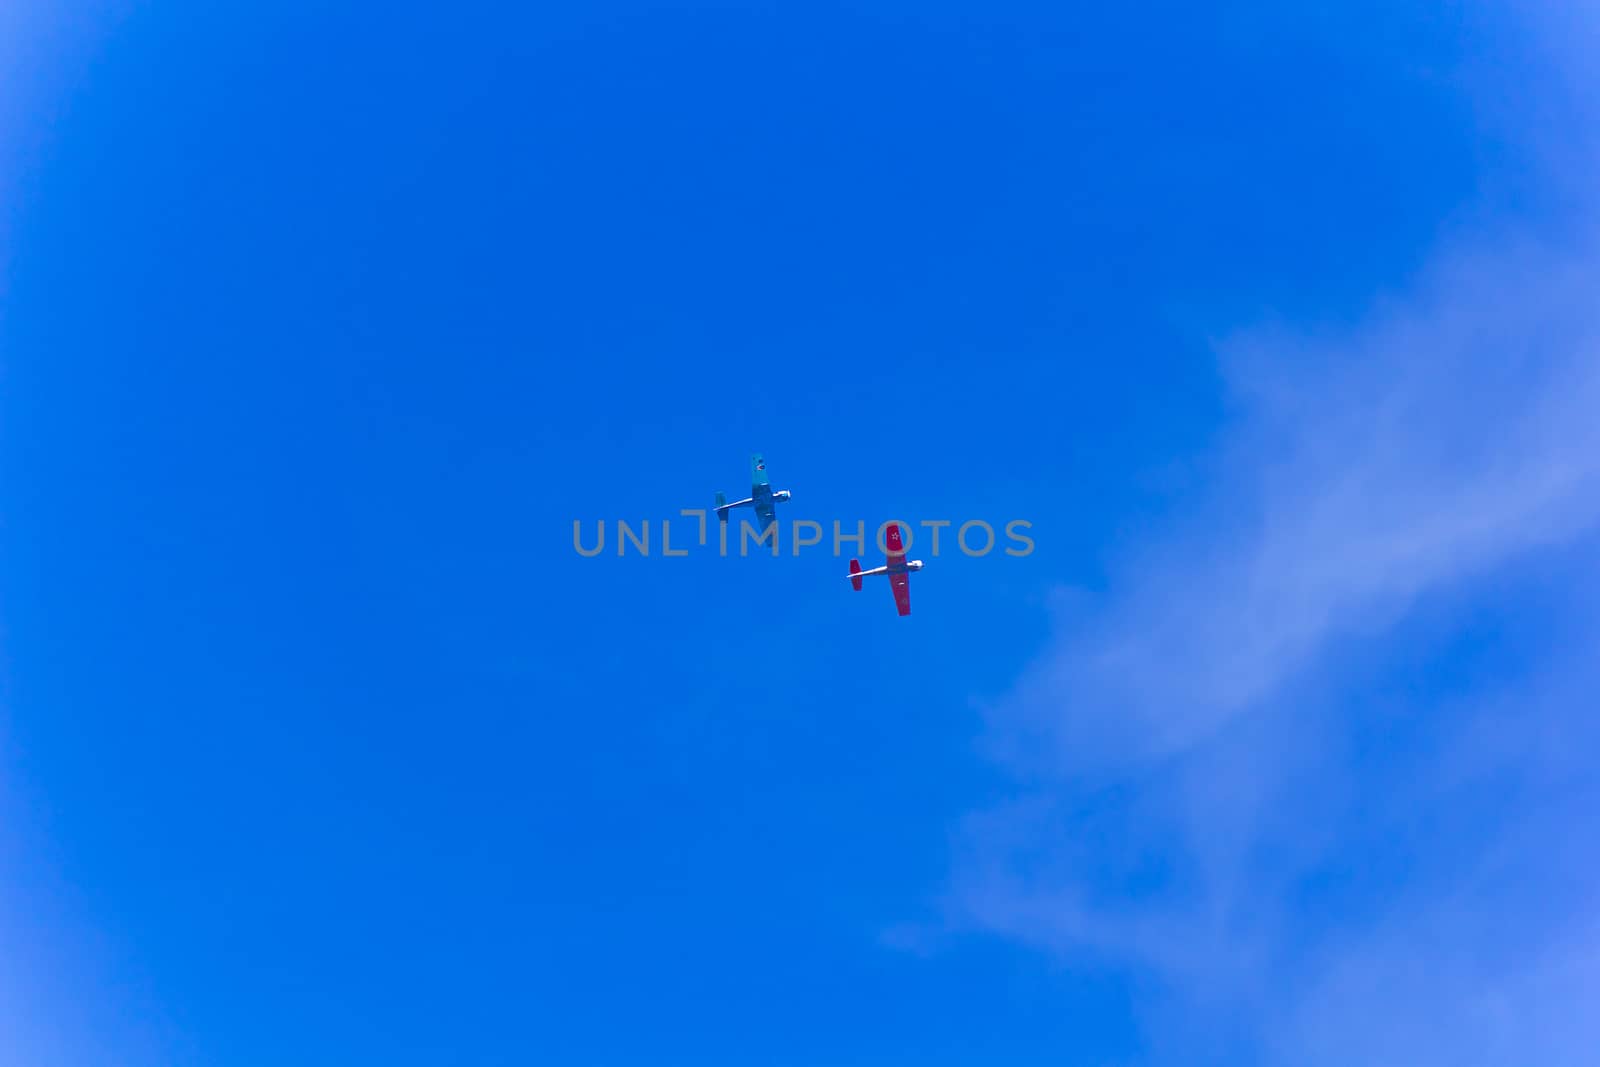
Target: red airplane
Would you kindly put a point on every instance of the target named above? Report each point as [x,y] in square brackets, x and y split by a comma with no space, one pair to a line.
[898,569]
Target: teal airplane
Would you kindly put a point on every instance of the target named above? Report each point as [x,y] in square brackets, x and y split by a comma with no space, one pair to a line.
[761,497]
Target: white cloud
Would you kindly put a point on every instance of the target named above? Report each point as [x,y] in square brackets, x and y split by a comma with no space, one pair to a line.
[1345,871]
[1440,438]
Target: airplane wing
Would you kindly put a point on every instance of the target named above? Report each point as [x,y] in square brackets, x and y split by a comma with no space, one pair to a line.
[893,547]
[761,491]
[899,581]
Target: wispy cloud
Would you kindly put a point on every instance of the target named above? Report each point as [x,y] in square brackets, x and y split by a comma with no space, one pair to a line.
[1450,432]
[1221,786]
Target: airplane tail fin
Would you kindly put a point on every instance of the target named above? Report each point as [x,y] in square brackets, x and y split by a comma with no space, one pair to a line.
[722,506]
[855,575]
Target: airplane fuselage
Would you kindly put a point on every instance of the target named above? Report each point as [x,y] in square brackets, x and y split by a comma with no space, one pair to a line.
[891,568]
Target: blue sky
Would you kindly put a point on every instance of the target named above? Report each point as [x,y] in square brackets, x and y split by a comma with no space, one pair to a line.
[321,324]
